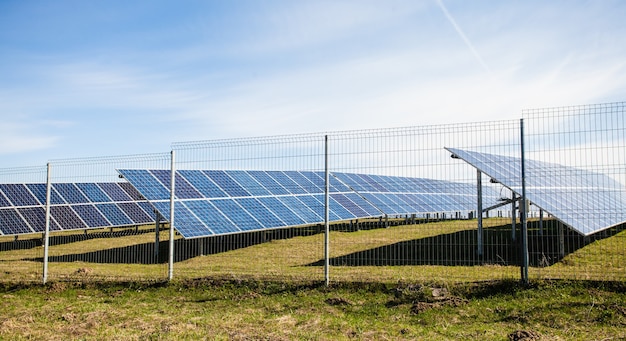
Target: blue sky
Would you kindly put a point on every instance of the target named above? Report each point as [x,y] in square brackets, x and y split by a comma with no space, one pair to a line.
[104,78]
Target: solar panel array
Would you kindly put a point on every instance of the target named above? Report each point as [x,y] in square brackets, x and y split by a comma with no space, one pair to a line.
[214,202]
[72,206]
[586,201]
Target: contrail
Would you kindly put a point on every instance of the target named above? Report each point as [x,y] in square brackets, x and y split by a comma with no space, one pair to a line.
[463,36]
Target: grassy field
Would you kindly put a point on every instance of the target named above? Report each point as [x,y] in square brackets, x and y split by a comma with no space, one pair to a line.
[442,251]
[403,282]
[252,310]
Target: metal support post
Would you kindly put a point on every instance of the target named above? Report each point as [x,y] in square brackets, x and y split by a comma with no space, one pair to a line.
[513,216]
[326,215]
[157,228]
[170,272]
[524,269]
[46,239]
[479,187]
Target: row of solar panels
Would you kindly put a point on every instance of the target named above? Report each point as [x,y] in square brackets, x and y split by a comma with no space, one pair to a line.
[211,202]
[72,206]
[586,201]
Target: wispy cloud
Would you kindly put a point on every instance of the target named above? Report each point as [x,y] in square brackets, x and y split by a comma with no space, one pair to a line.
[461,34]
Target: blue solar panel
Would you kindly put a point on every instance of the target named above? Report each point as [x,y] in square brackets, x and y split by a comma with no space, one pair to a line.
[135,212]
[4,202]
[70,193]
[183,189]
[285,181]
[66,218]
[203,184]
[252,200]
[260,212]
[586,201]
[35,217]
[131,191]
[151,187]
[18,194]
[269,183]
[12,222]
[211,217]
[189,222]
[226,183]
[114,191]
[304,182]
[91,216]
[93,192]
[239,216]
[249,183]
[114,214]
[303,211]
[349,205]
[72,206]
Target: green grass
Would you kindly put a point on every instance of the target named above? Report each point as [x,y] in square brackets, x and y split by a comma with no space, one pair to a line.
[437,251]
[394,283]
[232,310]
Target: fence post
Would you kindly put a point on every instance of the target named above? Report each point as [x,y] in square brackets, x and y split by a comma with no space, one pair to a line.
[326,215]
[522,210]
[46,239]
[170,272]
[479,185]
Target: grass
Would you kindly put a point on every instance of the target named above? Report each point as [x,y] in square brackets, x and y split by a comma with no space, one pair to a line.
[442,251]
[404,282]
[244,310]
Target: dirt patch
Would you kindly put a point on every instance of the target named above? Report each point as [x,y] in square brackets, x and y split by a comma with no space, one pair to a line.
[420,306]
[524,335]
[337,301]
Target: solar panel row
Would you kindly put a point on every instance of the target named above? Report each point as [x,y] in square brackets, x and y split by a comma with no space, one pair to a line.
[73,206]
[210,202]
[586,201]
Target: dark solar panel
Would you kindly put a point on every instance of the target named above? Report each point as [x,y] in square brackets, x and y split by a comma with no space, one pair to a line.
[12,222]
[18,194]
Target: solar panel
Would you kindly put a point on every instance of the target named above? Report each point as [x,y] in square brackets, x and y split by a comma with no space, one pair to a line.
[588,202]
[233,201]
[73,206]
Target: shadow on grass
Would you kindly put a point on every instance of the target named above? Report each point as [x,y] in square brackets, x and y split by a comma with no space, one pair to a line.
[146,253]
[453,249]
[546,246]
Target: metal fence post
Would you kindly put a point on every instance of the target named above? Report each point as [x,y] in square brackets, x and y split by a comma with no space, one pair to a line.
[522,209]
[170,273]
[326,215]
[479,209]
[46,240]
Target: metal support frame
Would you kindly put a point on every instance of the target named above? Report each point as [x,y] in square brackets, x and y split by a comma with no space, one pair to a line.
[513,216]
[46,239]
[157,228]
[170,272]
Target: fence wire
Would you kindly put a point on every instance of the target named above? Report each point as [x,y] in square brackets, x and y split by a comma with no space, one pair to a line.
[20,255]
[432,203]
[592,140]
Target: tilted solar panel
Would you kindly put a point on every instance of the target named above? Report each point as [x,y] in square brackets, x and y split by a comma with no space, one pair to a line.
[588,202]
[233,201]
[73,206]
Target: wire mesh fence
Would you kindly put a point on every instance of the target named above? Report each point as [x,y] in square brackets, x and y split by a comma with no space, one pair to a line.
[101,228]
[591,140]
[19,254]
[543,196]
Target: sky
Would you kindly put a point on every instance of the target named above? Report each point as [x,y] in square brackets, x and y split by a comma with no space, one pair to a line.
[105,78]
